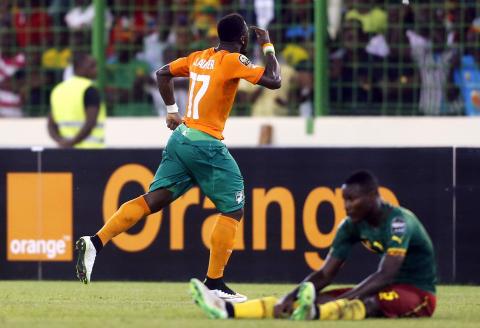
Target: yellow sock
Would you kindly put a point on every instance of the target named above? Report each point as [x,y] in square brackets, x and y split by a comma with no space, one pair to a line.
[330,310]
[124,218]
[222,240]
[355,310]
[255,309]
[342,309]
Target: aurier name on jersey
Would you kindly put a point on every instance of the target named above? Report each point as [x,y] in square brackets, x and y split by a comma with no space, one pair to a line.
[204,64]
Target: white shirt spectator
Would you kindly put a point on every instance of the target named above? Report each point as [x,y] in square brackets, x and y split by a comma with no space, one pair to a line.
[264,10]
[378,46]
[434,70]
[82,17]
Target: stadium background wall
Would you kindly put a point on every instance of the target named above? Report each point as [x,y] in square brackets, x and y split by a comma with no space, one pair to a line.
[293,207]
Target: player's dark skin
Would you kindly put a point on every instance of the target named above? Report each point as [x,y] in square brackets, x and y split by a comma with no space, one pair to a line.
[359,205]
[87,69]
[270,79]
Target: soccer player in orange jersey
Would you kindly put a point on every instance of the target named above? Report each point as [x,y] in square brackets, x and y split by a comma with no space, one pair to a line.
[194,154]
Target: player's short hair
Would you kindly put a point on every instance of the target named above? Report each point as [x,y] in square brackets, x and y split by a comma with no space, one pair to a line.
[231,27]
[78,59]
[365,179]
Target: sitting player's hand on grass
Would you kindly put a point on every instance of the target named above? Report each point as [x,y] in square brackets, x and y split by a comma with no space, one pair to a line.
[173,120]
[284,306]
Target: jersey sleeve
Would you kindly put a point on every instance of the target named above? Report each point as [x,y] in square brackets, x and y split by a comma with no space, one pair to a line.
[400,235]
[240,67]
[343,241]
[181,66]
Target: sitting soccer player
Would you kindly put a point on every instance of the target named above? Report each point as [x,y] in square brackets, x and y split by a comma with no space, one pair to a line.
[403,285]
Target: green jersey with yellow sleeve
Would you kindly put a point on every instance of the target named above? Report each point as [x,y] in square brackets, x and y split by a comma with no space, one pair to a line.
[400,234]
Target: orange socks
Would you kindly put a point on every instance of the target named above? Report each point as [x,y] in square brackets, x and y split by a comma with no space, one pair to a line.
[124,218]
[222,241]
[222,238]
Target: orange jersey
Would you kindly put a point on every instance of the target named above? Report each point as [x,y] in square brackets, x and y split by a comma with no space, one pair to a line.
[214,77]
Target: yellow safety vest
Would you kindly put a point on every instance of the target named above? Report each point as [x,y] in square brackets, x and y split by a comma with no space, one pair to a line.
[68,111]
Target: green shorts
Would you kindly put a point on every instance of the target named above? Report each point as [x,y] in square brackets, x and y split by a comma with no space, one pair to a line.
[204,161]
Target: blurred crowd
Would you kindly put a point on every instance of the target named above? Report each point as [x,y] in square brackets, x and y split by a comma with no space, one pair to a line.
[384,58]
[423,59]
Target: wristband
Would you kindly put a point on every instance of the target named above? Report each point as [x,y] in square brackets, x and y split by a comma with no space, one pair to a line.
[268,48]
[171,109]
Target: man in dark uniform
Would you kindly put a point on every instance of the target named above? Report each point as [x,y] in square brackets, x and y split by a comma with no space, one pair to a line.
[403,285]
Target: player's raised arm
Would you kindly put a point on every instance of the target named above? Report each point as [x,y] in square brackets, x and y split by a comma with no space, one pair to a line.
[271,78]
[165,86]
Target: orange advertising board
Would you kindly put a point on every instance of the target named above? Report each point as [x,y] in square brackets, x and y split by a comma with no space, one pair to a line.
[39,216]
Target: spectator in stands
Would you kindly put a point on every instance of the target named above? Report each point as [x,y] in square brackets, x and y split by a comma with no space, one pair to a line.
[127,79]
[467,76]
[32,23]
[12,83]
[57,9]
[296,38]
[79,21]
[179,11]
[298,33]
[281,102]
[264,12]
[400,83]
[355,74]
[131,22]
[458,16]
[5,14]
[78,114]
[155,40]
[81,16]
[369,13]
[205,14]
[435,56]
[33,30]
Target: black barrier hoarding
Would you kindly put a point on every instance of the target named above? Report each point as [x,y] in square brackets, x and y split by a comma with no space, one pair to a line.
[467,222]
[293,205]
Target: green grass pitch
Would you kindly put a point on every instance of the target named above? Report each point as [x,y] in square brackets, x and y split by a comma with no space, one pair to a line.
[132,304]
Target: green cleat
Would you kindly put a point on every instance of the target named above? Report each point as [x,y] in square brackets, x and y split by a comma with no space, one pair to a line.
[306,302]
[213,306]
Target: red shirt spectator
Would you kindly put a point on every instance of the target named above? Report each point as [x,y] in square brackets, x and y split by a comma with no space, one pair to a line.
[32,28]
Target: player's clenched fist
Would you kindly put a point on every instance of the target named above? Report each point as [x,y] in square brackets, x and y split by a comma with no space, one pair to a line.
[262,35]
[173,120]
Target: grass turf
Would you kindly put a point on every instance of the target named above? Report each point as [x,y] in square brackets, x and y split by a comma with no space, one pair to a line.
[133,304]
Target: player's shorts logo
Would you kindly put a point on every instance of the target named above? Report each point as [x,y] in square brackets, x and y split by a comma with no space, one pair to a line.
[388,296]
[239,196]
[39,216]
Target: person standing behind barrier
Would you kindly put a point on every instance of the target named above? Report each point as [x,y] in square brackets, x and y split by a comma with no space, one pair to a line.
[77,114]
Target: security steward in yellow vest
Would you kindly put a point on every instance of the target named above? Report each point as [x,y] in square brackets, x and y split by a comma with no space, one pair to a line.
[77,113]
